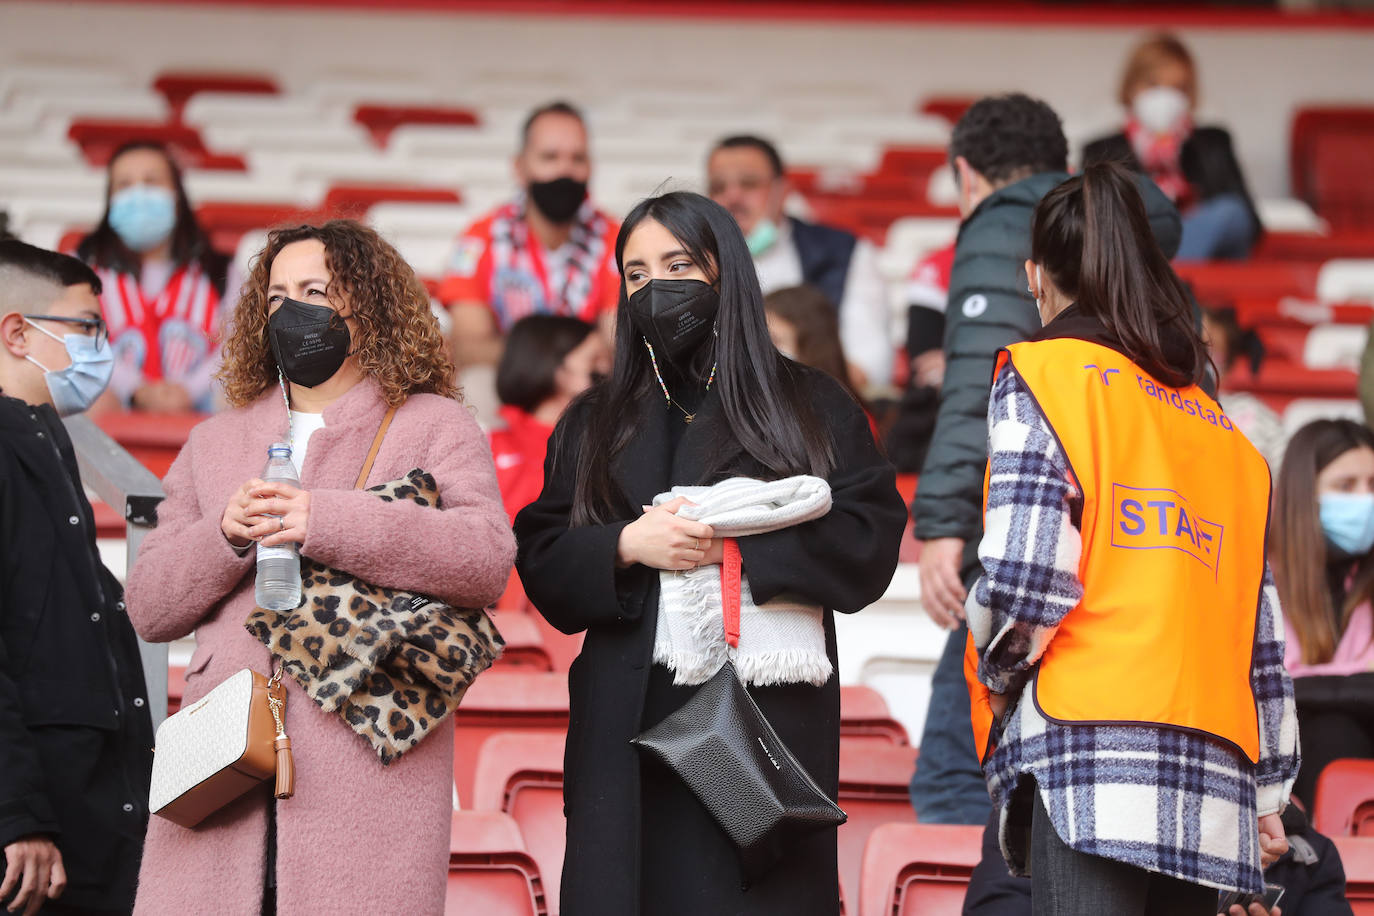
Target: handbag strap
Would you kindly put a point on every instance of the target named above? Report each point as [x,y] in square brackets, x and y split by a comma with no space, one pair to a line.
[730,590]
[376,447]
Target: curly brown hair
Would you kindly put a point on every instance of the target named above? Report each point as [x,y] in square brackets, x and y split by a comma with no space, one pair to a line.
[398,342]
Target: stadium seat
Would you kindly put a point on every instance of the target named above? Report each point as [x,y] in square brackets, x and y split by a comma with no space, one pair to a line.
[227,221]
[865,719]
[489,870]
[1357,857]
[1344,804]
[1292,380]
[873,792]
[1224,282]
[176,687]
[354,200]
[918,869]
[505,701]
[99,139]
[154,439]
[381,120]
[1330,161]
[524,643]
[949,107]
[522,775]
[1298,412]
[178,87]
[1346,279]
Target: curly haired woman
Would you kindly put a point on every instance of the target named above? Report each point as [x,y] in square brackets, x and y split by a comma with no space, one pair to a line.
[333,320]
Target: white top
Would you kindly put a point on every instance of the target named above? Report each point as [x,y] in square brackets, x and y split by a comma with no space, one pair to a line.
[865,329]
[303,426]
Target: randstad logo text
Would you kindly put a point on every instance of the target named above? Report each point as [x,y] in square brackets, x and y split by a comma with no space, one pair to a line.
[1146,518]
[1192,406]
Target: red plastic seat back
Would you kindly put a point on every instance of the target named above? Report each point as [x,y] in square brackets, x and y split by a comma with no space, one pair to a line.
[489,869]
[1357,857]
[873,792]
[522,775]
[1344,804]
[505,701]
[918,869]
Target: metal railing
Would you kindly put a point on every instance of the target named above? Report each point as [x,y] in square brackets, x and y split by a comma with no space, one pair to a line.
[133,491]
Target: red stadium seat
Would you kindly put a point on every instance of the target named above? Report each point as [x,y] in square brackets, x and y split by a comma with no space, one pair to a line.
[153,438]
[176,687]
[1307,246]
[918,869]
[522,775]
[353,200]
[505,701]
[227,221]
[381,120]
[1330,160]
[949,107]
[913,161]
[489,870]
[99,139]
[873,792]
[524,643]
[1292,312]
[178,87]
[1223,282]
[1357,857]
[1287,380]
[1345,799]
[865,718]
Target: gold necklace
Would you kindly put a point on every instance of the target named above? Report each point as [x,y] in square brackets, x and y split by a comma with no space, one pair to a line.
[686,417]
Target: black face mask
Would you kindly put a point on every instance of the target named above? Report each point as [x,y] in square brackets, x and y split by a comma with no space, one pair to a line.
[310,342]
[675,316]
[558,199]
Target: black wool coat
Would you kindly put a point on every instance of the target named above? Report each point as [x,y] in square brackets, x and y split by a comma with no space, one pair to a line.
[843,561]
[75,736]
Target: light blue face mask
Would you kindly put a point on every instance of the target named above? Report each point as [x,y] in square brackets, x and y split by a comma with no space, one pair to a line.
[1348,521]
[143,215]
[763,237]
[76,387]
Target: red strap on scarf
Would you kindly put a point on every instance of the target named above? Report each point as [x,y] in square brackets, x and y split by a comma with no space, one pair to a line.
[730,573]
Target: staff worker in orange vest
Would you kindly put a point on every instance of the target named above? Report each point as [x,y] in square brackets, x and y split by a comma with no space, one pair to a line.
[1125,657]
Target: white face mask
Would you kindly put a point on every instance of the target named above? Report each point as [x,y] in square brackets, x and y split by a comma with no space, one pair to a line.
[1160,109]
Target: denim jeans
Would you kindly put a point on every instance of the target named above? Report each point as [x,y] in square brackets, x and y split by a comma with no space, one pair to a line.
[1219,228]
[1065,882]
[992,889]
[948,787]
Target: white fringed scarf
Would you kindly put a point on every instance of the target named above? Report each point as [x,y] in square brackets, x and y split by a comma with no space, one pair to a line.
[780,642]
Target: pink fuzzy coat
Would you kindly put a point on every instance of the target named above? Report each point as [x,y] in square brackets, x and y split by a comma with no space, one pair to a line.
[357,837]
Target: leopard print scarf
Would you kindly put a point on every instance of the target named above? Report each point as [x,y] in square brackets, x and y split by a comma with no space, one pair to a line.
[391,664]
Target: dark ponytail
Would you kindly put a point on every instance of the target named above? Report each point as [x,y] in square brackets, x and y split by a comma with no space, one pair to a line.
[1092,234]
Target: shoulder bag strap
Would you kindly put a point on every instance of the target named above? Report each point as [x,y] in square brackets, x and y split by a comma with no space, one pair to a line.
[376,447]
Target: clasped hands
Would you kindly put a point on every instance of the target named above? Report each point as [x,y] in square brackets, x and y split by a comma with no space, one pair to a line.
[661,540]
[269,514]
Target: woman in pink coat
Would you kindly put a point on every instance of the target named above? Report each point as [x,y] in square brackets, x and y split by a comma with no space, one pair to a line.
[357,837]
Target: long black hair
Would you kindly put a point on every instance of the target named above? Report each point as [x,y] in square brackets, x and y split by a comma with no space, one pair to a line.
[190,243]
[765,411]
[1092,235]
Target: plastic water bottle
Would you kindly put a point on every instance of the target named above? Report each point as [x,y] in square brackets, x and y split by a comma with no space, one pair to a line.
[278,585]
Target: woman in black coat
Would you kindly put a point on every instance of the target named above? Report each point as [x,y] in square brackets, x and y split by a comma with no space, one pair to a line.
[697,394]
[1195,165]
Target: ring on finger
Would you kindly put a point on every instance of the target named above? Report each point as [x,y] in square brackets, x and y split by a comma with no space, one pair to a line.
[281,523]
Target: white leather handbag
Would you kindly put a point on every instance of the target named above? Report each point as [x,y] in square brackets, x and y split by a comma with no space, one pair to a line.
[219,748]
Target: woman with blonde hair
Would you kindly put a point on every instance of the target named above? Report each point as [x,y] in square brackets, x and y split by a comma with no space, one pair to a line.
[333,322]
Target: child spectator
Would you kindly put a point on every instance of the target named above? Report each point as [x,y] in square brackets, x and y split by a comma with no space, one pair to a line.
[1321,536]
[163,284]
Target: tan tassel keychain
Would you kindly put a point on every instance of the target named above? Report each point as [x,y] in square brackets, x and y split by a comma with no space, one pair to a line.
[286,768]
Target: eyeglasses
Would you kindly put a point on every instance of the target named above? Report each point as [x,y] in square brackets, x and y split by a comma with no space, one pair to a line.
[95,327]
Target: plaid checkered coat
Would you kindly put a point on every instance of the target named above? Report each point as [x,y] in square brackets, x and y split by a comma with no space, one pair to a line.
[1161,799]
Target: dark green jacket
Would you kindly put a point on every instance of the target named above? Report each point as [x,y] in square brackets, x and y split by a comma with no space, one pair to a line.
[990,308]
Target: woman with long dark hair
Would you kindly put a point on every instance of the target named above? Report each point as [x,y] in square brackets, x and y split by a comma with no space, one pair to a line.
[1130,702]
[697,395]
[1321,549]
[164,284]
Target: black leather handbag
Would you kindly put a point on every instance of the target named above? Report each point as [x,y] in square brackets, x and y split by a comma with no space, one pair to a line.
[722,747]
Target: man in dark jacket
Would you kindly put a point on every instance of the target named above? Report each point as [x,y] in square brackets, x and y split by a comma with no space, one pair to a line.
[1007,152]
[75,733]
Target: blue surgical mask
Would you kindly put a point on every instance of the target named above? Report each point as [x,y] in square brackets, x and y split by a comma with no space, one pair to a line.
[763,237]
[76,387]
[1348,521]
[143,215]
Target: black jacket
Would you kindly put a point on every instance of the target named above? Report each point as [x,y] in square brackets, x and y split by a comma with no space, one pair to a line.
[1207,159]
[843,561]
[989,308]
[824,253]
[75,734]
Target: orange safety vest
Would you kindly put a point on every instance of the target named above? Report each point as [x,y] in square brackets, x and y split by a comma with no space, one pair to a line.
[1175,515]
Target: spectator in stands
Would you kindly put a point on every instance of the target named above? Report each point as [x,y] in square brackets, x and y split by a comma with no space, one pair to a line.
[548,252]
[335,323]
[1007,152]
[803,326]
[927,293]
[1196,166]
[688,408]
[1326,486]
[549,360]
[1090,592]
[745,175]
[74,724]
[164,285]
[1228,342]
